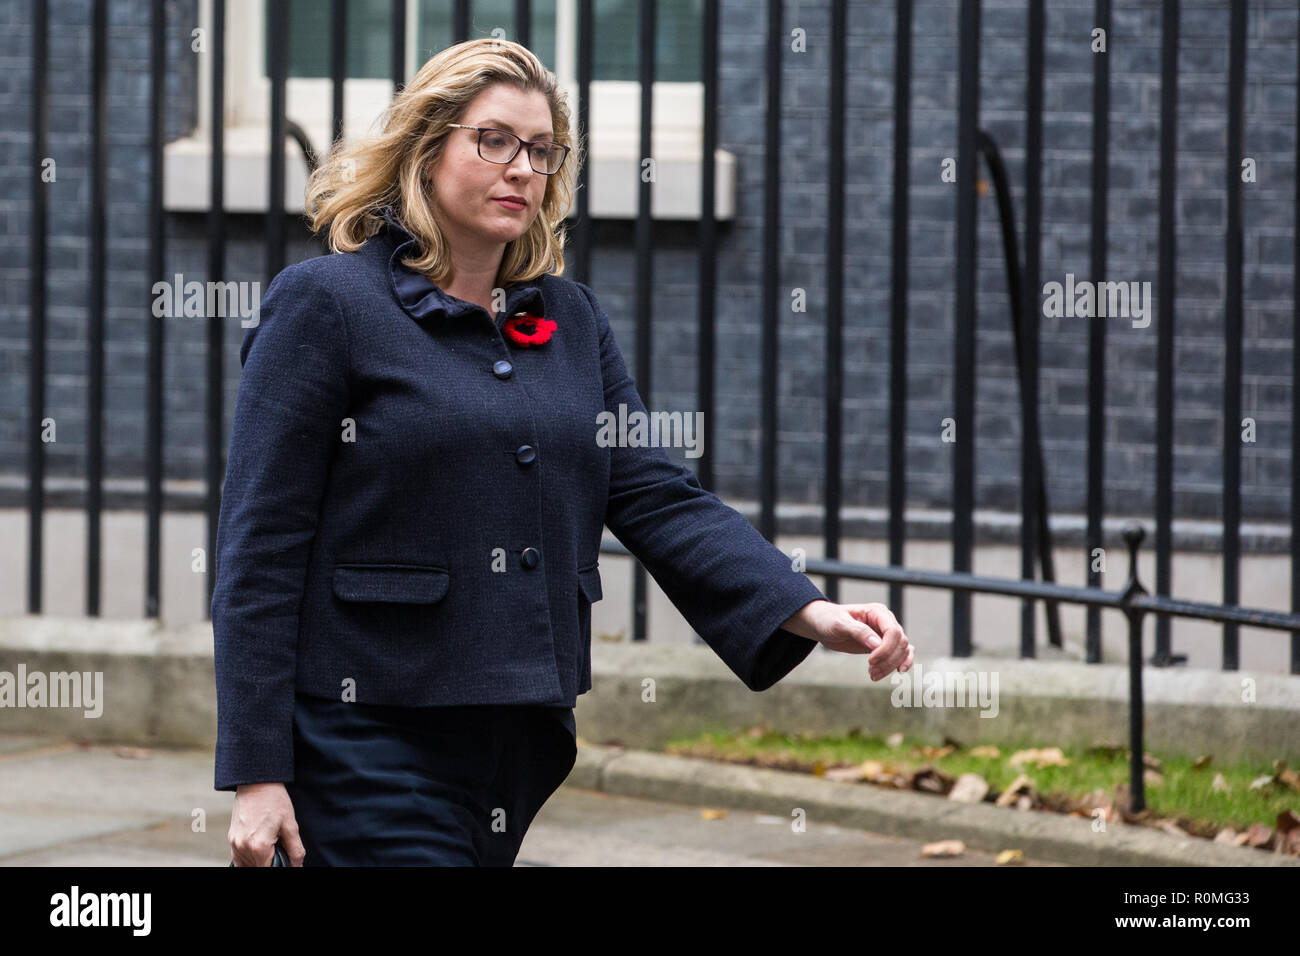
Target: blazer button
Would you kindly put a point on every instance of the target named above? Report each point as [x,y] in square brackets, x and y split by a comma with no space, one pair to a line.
[501,368]
[529,557]
[525,454]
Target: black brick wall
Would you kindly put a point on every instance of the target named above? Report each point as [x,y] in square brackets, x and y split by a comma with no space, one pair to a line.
[1134,46]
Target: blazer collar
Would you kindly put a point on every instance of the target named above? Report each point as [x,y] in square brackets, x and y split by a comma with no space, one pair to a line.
[423,300]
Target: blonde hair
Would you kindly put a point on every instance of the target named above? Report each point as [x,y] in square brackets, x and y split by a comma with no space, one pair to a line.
[347,192]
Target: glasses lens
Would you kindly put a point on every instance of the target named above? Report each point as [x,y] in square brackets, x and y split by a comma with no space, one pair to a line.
[547,158]
[496,146]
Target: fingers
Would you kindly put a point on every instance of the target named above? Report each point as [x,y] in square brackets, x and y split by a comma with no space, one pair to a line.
[293,843]
[255,850]
[894,651]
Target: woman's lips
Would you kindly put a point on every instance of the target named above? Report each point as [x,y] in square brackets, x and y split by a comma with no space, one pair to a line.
[509,204]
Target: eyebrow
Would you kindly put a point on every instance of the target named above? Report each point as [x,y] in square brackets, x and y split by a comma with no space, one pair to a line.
[502,124]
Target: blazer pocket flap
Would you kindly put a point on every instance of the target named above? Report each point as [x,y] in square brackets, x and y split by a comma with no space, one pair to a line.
[590,581]
[396,583]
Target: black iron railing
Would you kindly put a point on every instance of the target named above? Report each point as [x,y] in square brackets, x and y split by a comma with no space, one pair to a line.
[1023,283]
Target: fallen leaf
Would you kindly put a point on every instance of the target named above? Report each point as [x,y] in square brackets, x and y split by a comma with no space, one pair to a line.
[1227,835]
[944,848]
[1287,821]
[1260,782]
[1091,801]
[1151,763]
[952,742]
[1259,835]
[1201,762]
[1290,778]
[969,788]
[1220,785]
[894,740]
[986,750]
[1046,757]
[1152,779]
[843,774]
[1022,785]
[934,753]
[929,780]
[872,770]
[1172,828]
[1009,857]
[712,814]
[819,769]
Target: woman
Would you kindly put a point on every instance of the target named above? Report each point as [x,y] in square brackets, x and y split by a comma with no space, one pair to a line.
[415,494]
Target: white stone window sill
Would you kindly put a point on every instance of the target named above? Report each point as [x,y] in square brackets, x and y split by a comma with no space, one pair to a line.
[614,174]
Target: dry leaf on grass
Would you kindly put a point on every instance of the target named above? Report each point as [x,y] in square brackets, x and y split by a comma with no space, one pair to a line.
[1220,785]
[969,788]
[1022,786]
[929,780]
[986,750]
[1201,762]
[1259,835]
[894,740]
[843,774]
[1044,757]
[934,753]
[1292,847]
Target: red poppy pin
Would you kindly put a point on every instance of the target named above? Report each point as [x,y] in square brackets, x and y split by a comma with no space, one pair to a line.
[528,330]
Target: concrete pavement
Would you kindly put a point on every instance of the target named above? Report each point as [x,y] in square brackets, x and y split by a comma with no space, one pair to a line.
[69,804]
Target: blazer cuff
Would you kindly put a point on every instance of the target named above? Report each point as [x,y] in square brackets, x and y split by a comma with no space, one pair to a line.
[781,651]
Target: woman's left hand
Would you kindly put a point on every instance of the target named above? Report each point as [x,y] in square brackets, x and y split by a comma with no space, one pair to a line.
[856,629]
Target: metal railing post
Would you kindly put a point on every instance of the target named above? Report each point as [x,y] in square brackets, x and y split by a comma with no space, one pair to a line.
[1133,535]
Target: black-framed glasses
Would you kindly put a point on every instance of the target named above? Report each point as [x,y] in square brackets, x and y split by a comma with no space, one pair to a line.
[501,146]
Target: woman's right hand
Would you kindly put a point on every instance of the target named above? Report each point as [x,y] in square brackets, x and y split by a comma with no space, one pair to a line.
[263,815]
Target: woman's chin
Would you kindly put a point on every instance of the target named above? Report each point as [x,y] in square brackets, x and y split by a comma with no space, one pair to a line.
[505,231]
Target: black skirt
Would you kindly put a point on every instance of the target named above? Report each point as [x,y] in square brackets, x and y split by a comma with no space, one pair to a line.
[378,785]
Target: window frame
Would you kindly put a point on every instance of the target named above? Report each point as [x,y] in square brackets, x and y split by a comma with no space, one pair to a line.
[613,131]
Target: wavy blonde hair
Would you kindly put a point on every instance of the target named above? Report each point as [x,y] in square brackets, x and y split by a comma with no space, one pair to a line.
[346,194]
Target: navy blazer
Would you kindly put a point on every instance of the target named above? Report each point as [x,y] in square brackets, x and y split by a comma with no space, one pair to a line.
[413,508]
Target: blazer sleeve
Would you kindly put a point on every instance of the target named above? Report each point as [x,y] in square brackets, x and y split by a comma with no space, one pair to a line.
[733,586]
[293,395]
